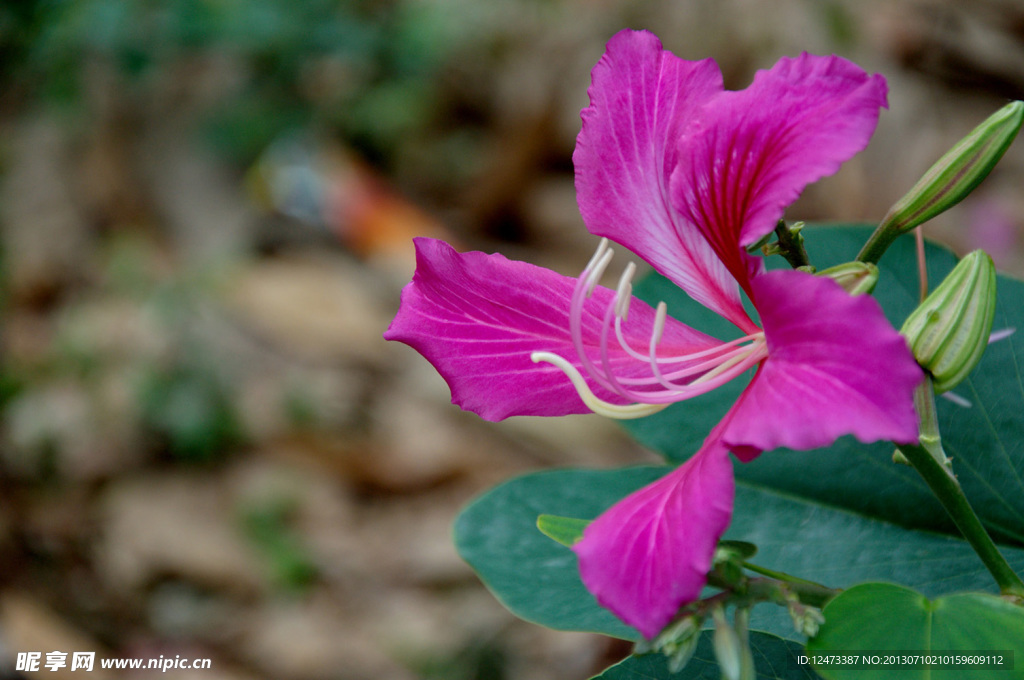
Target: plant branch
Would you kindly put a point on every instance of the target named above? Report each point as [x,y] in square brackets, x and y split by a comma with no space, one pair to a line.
[790,245]
[930,461]
[763,589]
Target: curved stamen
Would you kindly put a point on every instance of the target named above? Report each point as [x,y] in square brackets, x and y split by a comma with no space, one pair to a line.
[653,401]
[660,316]
[617,386]
[717,365]
[671,359]
[584,286]
[705,366]
[595,404]
[669,379]
[713,367]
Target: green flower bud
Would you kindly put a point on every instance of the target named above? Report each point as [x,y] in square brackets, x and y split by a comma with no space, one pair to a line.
[678,641]
[949,331]
[806,620]
[855,277]
[727,648]
[952,177]
[959,171]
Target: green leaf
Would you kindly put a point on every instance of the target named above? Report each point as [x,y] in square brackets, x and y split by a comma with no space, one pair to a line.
[873,618]
[565,530]
[535,577]
[985,441]
[538,579]
[774,658]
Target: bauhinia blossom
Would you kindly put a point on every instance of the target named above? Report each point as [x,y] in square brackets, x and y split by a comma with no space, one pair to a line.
[686,175]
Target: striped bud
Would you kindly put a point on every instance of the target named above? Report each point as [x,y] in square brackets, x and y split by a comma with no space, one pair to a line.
[949,331]
[959,171]
[950,180]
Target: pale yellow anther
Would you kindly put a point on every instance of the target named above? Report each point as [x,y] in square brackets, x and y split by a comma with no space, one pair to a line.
[597,272]
[624,292]
[598,254]
[660,315]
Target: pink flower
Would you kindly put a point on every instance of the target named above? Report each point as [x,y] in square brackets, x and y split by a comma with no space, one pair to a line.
[685,174]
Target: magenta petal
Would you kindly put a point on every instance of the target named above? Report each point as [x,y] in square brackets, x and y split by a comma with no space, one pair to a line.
[835,366]
[641,98]
[650,553]
[477,318]
[750,153]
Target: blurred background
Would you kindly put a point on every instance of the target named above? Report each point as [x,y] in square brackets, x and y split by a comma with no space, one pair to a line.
[206,214]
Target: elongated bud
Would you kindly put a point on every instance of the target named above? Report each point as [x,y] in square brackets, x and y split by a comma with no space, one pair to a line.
[958,172]
[949,331]
[856,277]
[728,647]
[952,177]
[748,671]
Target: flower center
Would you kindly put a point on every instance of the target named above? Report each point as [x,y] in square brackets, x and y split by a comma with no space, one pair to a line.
[649,381]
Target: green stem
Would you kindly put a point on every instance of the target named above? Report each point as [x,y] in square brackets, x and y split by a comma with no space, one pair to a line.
[780,575]
[930,461]
[771,590]
[877,244]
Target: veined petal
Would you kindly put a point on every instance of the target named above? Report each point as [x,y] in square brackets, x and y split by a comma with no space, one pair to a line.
[477,318]
[835,366]
[750,153]
[650,553]
[641,98]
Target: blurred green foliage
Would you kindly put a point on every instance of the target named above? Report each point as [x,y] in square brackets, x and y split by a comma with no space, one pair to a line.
[478,659]
[190,410]
[365,69]
[267,526]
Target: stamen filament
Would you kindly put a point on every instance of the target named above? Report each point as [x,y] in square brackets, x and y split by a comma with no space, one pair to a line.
[660,315]
[725,365]
[606,361]
[599,406]
[687,375]
[582,291]
[675,359]
[712,363]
